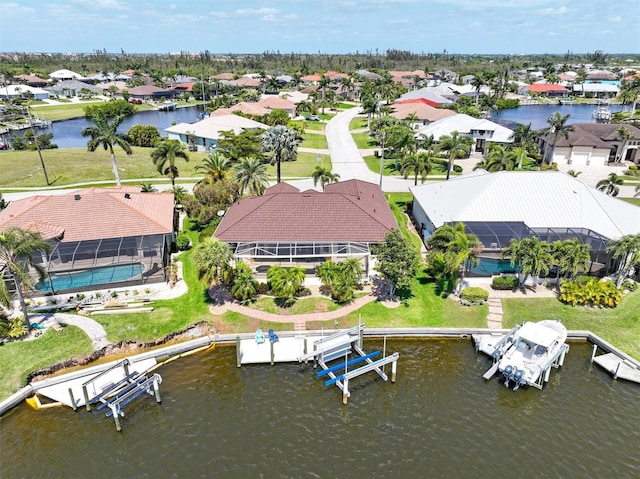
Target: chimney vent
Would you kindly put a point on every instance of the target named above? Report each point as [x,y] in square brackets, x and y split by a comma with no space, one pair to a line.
[127,196]
[76,197]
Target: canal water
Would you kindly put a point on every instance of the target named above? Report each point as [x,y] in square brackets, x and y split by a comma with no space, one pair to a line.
[537,114]
[439,420]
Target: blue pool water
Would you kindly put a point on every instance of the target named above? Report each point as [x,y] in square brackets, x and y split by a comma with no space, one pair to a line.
[492,266]
[93,277]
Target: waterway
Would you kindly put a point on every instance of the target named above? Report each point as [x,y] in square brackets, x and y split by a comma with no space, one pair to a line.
[537,114]
[439,420]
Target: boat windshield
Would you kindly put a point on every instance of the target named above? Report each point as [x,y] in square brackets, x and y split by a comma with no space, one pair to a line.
[536,334]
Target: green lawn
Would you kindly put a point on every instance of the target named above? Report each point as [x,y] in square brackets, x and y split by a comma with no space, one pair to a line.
[633,201]
[315,141]
[311,125]
[20,358]
[373,163]
[77,165]
[364,141]
[358,123]
[620,326]
[302,167]
[62,112]
[301,306]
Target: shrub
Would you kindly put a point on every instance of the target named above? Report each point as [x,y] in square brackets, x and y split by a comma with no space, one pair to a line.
[591,293]
[12,327]
[302,291]
[474,295]
[505,282]
[262,288]
[182,241]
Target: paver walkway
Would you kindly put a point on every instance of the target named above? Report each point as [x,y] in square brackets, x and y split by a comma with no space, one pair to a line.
[92,328]
[494,318]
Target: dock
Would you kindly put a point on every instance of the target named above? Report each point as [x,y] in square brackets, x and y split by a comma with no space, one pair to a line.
[616,365]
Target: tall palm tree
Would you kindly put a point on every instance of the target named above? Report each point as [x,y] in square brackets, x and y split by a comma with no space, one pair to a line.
[525,137]
[418,164]
[324,176]
[536,258]
[457,146]
[211,258]
[251,173]
[557,128]
[610,185]
[571,256]
[215,167]
[627,251]
[105,132]
[477,83]
[17,250]
[282,143]
[167,152]
[624,136]
[285,281]
[369,107]
[323,84]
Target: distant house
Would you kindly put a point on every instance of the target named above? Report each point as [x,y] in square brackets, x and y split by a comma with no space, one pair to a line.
[10,92]
[482,131]
[277,103]
[287,227]
[32,80]
[65,74]
[246,82]
[425,95]
[424,114]
[595,143]
[72,88]
[208,131]
[546,89]
[89,249]
[151,92]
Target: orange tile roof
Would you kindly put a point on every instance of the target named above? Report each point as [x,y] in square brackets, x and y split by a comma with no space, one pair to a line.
[98,213]
[351,210]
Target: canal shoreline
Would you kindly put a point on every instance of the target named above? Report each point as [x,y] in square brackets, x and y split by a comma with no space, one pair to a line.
[174,351]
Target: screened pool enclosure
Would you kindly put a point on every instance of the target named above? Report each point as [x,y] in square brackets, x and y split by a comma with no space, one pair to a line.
[106,262]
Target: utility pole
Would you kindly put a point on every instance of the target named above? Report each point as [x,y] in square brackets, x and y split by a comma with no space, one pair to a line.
[35,139]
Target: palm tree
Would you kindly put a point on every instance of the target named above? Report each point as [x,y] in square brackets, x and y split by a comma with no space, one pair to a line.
[215,167]
[536,258]
[457,146]
[244,285]
[282,143]
[571,256]
[478,82]
[251,173]
[147,188]
[574,173]
[418,164]
[211,258]
[624,136]
[627,251]
[525,137]
[285,281]
[519,154]
[18,248]
[167,152]
[498,159]
[105,132]
[323,84]
[557,128]
[324,176]
[369,107]
[610,185]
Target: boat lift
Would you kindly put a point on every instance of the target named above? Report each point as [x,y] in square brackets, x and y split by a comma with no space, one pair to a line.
[339,345]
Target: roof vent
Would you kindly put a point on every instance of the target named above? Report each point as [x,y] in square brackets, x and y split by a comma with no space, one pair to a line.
[76,197]
[127,196]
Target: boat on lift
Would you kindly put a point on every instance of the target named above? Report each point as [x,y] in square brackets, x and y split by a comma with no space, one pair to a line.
[602,114]
[526,354]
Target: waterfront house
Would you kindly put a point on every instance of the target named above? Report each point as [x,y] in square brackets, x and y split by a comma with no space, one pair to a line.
[287,227]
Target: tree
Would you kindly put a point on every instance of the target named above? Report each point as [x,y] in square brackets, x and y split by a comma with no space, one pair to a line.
[397,260]
[251,173]
[244,286]
[369,107]
[143,135]
[242,145]
[610,185]
[627,251]
[341,278]
[571,256]
[282,144]
[215,167]
[166,153]
[285,282]
[535,258]
[525,137]
[418,164]
[105,132]
[477,83]
[209,199]
[461,248]
[557,128]
[624,136]
[324,176]
[110,110]
[457,146]
[498,159]
[18,248]
[211,258]
[147,187]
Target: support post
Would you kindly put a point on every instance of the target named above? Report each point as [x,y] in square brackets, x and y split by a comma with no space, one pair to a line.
[73,400]
[546,374]
[86,397]
[394,367]
[116,418]
[238,353]
[156,389]
[360,335]
[125,365]
[271,352]
[615,375]
[345,391]
[593,352]
[562,355]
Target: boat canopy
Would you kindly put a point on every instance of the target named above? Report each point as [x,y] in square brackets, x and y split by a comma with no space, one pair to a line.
[538,334]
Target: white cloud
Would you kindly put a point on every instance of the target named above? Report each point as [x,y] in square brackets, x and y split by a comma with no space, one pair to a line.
[256,11]
[106,4]
[8,10]
[553,11]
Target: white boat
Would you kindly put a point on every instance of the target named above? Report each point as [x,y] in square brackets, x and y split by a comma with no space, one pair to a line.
[602,114]
[527,353]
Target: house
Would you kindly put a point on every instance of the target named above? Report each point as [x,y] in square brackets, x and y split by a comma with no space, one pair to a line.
[65,74]
[424,114]
[287,227]
[596,143]
[31,80]
[426,96]
[596,90]
[10,92]
[277,103]
[498,207]
[245,107]
[73,88]
[246,82]
[545,89]
[481,130]
[151,92]
[89,248]
[208,131]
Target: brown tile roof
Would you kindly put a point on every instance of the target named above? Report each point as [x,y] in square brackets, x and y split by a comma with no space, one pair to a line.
[607,131]
[311,78]
[274,103]
[224,76]
[352,210]
[422,111]
[99,213]
[246,82]
[249,108]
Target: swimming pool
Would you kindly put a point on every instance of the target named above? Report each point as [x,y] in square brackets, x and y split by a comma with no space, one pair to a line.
[91,277]
[492,266]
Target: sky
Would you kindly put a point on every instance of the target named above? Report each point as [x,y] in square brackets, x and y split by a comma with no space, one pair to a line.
[325,26]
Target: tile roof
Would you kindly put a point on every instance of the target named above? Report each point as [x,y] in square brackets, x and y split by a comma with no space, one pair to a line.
[595,135]
[421,110]
[547,87]
[212,126]
[98,213]
[351,210]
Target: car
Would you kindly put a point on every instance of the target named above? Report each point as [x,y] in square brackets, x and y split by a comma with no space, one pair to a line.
[313,118]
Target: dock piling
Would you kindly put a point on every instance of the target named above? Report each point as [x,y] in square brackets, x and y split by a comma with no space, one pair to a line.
[394,366]
[593,352]
[238,354]
[345,391]
[73,400]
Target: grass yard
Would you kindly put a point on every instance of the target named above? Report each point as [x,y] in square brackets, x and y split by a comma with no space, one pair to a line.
[20,358]
[620,326]
[315,141]
[301,306]
[358,123]
[77,165]
[373,163]
[302,167]
[633,201]
[63,112]
[364,141]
